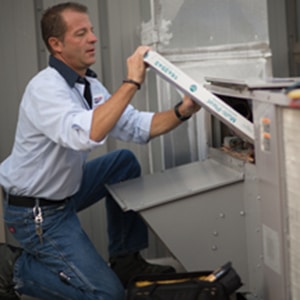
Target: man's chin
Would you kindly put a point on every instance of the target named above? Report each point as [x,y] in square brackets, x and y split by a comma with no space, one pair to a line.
[91,62]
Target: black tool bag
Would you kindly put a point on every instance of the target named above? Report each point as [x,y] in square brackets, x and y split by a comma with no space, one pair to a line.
[183,286]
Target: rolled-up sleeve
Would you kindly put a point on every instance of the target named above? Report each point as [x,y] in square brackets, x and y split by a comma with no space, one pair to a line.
[81,125]
[133,126]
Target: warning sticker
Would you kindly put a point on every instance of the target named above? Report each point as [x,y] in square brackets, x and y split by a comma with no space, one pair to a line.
[265,125]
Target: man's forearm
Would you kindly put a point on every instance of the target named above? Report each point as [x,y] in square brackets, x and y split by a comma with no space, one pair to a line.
[105,116]
[163,122]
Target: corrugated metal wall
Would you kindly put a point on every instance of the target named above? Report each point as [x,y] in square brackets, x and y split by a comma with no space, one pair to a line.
[19,62]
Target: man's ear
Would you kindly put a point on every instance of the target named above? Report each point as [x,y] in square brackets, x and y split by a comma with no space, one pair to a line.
[55,44]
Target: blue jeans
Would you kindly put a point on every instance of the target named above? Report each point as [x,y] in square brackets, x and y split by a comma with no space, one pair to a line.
[65,265]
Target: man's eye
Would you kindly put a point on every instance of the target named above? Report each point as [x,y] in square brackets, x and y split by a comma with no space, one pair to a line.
[80,33]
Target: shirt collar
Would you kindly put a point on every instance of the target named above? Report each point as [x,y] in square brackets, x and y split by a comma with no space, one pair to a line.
[67,73]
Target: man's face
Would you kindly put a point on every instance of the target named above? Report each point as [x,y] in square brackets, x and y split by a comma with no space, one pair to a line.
[77,49]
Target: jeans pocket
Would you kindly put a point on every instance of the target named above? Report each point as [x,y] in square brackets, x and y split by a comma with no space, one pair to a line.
[20,224]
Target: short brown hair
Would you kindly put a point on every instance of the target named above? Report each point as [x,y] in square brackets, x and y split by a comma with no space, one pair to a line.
[52,23]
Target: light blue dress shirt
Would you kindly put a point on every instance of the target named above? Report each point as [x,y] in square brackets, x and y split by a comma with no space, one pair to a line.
[52,136]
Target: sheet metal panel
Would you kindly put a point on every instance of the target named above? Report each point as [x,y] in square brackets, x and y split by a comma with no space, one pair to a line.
[204,230]
[196,210]
[173,184]
[182,24]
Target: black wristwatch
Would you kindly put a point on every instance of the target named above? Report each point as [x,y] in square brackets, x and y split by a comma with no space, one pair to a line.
[177,113]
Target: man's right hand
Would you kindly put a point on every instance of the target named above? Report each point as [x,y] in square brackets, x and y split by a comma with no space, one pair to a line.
[136,68]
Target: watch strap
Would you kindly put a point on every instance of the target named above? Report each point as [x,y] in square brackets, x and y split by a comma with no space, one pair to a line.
[177,113]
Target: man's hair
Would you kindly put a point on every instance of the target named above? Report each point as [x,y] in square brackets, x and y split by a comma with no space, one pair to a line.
[53,24]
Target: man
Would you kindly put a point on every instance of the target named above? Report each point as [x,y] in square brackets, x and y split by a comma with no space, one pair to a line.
[46,179]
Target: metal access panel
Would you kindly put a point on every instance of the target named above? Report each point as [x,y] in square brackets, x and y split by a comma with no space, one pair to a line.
[197,210]
[276,123]
[277,162]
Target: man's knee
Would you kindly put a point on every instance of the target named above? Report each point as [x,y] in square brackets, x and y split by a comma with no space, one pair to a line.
[131,162]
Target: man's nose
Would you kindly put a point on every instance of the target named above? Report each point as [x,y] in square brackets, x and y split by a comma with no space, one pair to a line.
[92,37]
